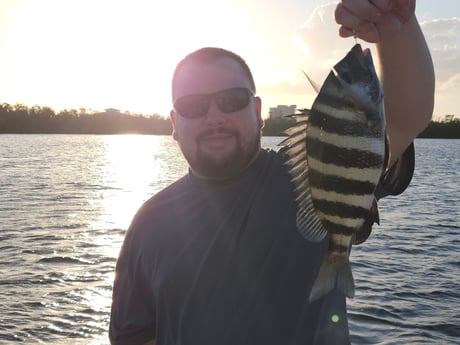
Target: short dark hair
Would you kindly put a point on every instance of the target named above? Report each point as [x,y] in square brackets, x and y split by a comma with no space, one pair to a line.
[212,54]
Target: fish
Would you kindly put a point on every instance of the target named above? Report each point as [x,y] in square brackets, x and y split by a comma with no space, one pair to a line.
[336,153]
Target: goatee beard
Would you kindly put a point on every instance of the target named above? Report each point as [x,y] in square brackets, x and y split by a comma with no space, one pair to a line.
[233,164]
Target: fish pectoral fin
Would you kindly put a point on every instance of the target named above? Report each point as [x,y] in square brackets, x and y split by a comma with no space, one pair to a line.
[374,213]
[315,85]
[364,231]
[335,272]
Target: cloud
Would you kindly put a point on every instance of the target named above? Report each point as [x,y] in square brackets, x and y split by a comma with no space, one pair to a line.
[321,47]
[450,83]
[443,37]
[319,35]
[287,87]
[317,48]
[319,40]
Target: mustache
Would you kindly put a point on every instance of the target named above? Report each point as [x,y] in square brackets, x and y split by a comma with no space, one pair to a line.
[214,131]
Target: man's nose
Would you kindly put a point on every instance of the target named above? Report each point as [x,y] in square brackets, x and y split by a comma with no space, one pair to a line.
[214,114]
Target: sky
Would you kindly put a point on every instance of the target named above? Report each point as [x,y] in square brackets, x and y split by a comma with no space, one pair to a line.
[98,54]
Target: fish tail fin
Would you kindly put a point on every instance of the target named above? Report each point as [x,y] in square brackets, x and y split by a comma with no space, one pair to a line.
[335,272]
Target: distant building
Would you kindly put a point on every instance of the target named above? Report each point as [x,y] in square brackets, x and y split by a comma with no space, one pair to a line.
[281,111]
[112,110]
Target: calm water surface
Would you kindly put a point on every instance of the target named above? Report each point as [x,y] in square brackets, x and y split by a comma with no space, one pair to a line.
[66,201]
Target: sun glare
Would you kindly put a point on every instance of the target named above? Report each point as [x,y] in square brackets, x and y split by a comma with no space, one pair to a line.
[111,54]
[125,187]
[119,54]
[138,166]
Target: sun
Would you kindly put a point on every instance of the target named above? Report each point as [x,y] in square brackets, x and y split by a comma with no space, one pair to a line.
[115,54]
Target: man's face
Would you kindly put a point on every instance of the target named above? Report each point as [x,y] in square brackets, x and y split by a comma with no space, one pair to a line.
[217,145]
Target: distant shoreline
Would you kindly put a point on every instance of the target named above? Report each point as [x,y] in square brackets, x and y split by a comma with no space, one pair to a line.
[167,134]
[20,119]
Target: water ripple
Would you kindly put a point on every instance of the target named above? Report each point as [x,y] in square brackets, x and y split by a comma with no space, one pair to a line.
[68,200]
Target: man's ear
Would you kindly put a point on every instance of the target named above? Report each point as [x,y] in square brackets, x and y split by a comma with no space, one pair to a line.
[258,102]
[172,118]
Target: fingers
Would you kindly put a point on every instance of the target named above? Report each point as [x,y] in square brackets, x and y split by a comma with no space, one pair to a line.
[382,5]
[363,31]
[372,20]
[354,13]
[358,17]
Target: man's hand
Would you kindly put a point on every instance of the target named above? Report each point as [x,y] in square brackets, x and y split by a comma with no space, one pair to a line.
[405,68]
[373,20]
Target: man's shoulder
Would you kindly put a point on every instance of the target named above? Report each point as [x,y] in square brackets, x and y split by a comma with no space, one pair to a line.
[274,158]
[275,163]
[159,207]
[169,194]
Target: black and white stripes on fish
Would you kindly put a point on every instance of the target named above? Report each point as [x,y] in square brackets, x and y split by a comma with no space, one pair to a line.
[336,155]
[328,120]
[340,184]
[340,156]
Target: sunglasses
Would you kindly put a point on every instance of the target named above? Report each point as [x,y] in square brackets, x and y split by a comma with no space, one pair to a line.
[228,101]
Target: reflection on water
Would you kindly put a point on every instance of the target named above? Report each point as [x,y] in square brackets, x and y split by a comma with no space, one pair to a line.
[132,168]
[66,201]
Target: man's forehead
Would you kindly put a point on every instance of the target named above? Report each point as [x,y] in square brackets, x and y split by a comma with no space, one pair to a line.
[219,64]
[209,76]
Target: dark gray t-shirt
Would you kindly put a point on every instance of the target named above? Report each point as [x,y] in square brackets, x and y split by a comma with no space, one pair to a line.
[223,263]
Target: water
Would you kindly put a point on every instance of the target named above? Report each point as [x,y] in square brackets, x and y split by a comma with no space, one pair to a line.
[66,200]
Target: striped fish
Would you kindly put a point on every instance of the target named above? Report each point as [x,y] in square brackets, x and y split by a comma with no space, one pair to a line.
[336,155]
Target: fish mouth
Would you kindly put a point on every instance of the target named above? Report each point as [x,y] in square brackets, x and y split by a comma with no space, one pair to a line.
[363,55]
[356,76]
[356,66]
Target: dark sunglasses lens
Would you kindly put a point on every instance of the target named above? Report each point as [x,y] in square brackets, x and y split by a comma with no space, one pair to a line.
[192,106]
[232,100]
[228,101]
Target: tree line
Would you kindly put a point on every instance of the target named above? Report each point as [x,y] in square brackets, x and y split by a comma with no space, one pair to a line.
[21,119]
[447,128]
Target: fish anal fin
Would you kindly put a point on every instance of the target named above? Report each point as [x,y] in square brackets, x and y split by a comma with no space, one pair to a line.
[310,228]
[335,272]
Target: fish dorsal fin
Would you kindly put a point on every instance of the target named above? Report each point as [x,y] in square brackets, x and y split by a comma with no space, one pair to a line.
[315,85]
[308,222]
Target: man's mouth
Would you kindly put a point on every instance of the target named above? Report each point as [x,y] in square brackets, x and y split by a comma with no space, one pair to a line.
[217,134]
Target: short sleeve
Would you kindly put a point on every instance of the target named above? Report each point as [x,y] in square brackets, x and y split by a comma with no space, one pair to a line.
[398,177]
[132,318]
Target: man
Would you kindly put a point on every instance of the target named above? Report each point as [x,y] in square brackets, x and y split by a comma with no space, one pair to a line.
[215,258]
